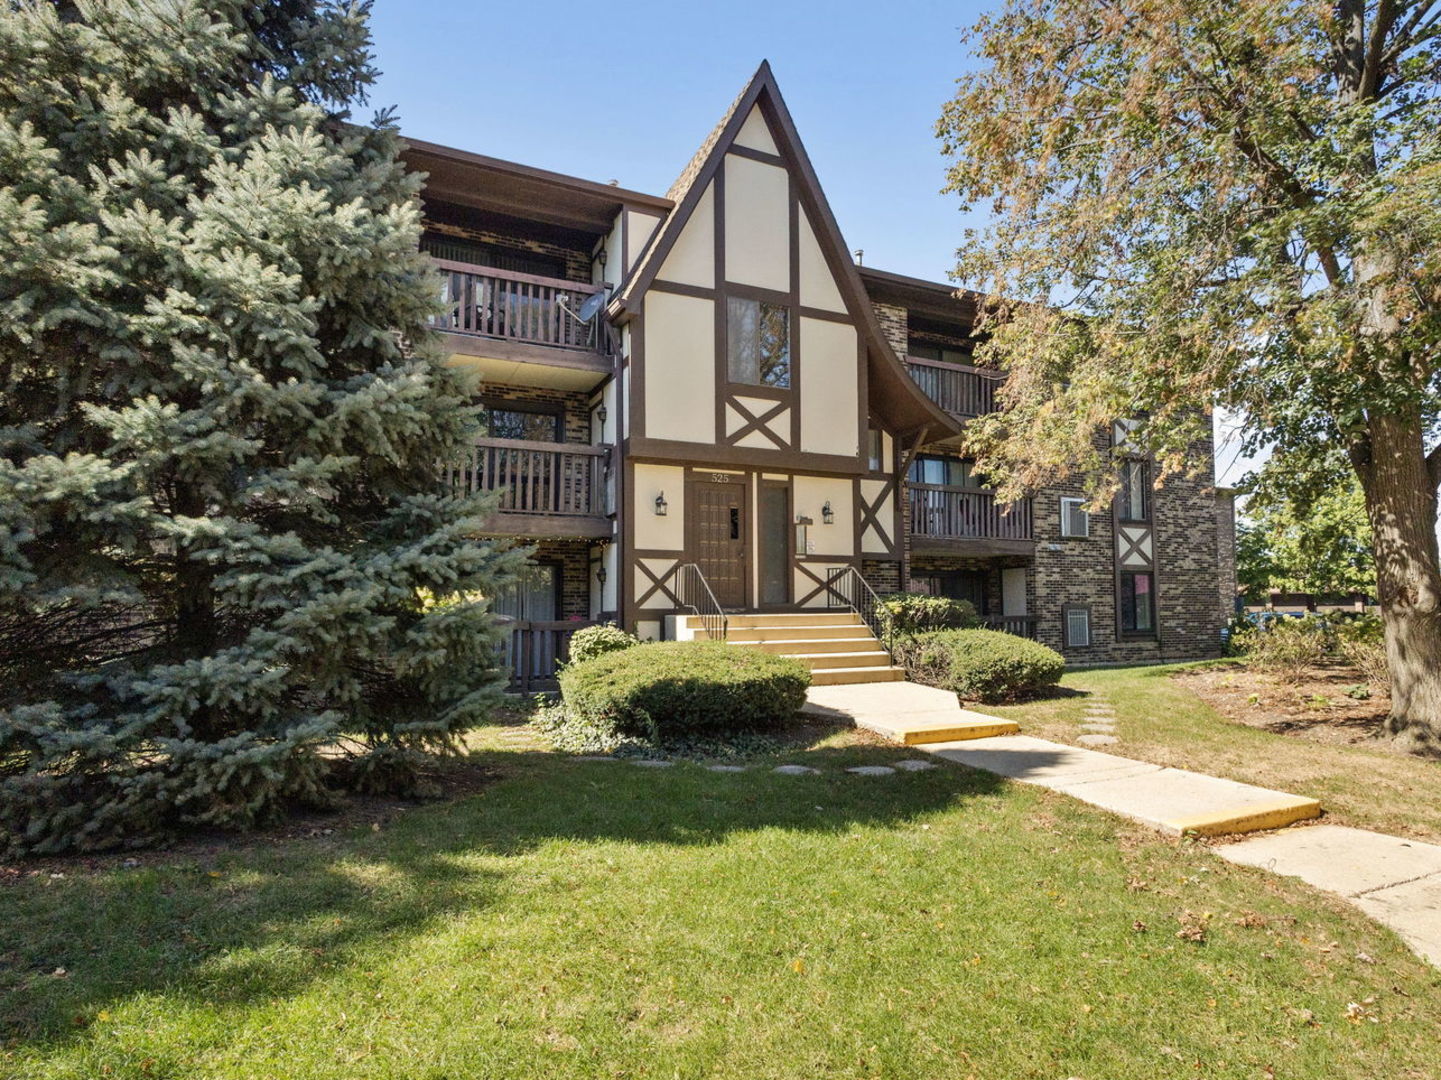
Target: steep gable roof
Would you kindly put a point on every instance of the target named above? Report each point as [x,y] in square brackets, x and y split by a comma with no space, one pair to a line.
[892,391]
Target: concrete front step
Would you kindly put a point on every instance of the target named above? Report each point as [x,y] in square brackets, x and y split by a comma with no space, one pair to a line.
[828,661]
[798,618]
[839,676]
[753,635]
[808,646]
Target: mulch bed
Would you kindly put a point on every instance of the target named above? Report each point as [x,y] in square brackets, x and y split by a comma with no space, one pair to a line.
[1316,708]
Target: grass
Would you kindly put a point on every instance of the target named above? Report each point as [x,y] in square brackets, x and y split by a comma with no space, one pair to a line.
[1160,720]
[593,919]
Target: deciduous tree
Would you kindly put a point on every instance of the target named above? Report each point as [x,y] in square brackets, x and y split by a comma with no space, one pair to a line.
[1240,204]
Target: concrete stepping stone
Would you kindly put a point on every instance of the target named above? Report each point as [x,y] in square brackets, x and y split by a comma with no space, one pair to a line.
[650,763]
[726,768]
[795,770]
[872,770]
[596,757]
[1096,739]
[1103,728]
[911,765]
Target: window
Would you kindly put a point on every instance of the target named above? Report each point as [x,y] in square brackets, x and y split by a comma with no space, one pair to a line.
[534,595]
[1075,626]
[935,352]
[948,471]
[1138,603]
[515,421]
[1135,496]
[758,337]
[875,451]
[1075,520]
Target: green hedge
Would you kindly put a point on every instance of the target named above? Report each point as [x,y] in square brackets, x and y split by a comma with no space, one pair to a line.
[591,641]
[683,687]
[981,665]
[908,614]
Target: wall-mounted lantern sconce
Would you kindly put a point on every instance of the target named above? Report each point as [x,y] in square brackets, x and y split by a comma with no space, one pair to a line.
[601,413]
[827,514]
[660,505]
[600,574]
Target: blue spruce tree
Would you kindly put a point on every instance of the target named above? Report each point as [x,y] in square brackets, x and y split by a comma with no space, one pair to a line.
[222,535]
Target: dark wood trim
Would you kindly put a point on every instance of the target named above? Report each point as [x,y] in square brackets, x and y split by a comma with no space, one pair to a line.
[678,288]
[741,150]
[637,376]
[758,292]
[671,451]
[759,390]
[968,547]
[720,310]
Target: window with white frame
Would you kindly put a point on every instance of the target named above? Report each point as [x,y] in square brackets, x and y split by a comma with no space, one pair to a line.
[1076,624]
[1075,520]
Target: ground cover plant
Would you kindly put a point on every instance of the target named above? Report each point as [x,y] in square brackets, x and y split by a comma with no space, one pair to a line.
[981,665]
[583,919]
[1218,718]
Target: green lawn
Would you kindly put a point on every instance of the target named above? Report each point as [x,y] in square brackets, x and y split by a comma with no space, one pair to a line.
[1160,720]
[596,919]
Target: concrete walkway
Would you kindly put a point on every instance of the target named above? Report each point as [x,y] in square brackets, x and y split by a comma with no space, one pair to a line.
[1397,882]
[904,712]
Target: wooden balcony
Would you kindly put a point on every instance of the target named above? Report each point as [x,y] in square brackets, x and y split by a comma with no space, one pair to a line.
[955,520]
[961,390]
[513,316]
[546,489]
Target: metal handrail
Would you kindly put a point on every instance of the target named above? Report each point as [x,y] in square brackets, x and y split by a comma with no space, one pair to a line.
[693,587]
[845,584]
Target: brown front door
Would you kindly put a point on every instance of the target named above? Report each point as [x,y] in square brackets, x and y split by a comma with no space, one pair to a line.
[717,539]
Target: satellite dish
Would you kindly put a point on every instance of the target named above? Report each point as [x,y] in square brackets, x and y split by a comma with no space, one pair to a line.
[593,303]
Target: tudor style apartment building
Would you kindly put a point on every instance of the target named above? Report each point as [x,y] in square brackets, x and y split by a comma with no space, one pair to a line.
[698,404]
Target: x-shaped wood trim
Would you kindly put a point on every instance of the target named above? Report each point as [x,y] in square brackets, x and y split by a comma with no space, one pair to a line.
[821,582]
[751,422]
[1129,547]
[658,583]
[870,513]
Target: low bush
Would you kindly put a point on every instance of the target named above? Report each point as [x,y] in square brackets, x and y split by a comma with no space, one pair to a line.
[678,688]
[1286,648]
[1361,642]
[592,641]
[981,665]
[908,614]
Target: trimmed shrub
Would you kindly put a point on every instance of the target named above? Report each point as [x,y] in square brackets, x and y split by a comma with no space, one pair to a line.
[981,665]
[682,687]
[908,614]
[592,641]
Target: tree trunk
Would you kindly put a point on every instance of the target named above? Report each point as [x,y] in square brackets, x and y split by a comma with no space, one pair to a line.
[1401,503]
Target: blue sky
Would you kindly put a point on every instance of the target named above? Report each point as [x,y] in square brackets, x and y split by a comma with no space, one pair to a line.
[627,91]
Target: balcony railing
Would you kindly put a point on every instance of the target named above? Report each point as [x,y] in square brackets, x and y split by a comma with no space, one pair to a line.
[962,514]
[534,651]
[536,477]
[959,389]
[486,302]
[1020,625]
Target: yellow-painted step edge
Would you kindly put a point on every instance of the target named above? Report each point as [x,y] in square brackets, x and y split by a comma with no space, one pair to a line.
[957,732]
[1256,817]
